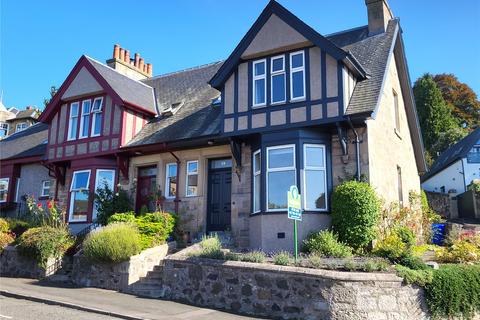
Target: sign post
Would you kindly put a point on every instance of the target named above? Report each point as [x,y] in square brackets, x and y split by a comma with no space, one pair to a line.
[294,213]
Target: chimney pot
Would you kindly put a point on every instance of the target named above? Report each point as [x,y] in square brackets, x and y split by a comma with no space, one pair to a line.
[149,69]
[140,66]
[122,54]
[127,56]
[137,58]
[116,51]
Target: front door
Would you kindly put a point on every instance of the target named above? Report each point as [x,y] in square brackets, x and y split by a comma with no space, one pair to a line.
[146,186]
[219,195]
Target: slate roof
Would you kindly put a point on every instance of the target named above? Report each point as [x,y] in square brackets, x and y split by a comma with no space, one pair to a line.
[129,90]
[195,118]
[372,53]
[26,114]
[454,153]
[26,143]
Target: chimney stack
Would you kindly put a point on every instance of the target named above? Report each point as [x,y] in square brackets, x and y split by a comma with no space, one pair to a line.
[379,14]
[135,68]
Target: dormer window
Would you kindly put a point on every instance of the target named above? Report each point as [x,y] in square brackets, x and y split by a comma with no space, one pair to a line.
[97,116]
[259,83]
[85,119]
[278,79]
[297,75]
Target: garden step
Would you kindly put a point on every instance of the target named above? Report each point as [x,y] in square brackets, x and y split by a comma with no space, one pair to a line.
[158,268]
[152,293]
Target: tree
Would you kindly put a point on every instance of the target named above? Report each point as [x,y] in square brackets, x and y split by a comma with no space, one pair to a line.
[434,113]
[447,139]
[53,91]
[461,98]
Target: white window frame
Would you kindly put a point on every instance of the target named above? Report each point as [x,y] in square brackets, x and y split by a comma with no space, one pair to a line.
[8,187]
[17,189]
[282,169]
[21,126]
[293,70]
[257,172]
[83,115]
[277,73]
[94,211]
[314,168]
[70,120]
[72,199]
[190,174]
[4,126]
[167,183]
[260,77]
[42,192]
[93,114]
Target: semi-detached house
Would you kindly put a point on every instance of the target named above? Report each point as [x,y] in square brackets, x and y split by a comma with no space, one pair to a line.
[223,142]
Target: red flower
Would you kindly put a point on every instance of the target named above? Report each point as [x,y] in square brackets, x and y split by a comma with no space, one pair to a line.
[49,204]
[39,205]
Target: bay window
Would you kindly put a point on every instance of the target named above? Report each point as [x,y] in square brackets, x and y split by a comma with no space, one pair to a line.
[103,178]
[277,79]
[192,178]
[297,75]
[314,177]
[171,180]
[281,174]
[4,189]
[79,194]
[96,116]
[259,83]
[73,121]
[257,176]
[85,119]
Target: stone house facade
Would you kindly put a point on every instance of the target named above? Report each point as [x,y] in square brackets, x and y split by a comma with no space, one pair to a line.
[223,142]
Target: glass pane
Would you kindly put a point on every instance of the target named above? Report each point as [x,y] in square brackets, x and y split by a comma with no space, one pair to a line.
[105,178]
[192,185]
[3,190]
[256,163]
[277,64]
[74,110]
[192,167]
[98,123]
[315,189]
[260,91]
[314,156]
[147,172]
[280,158]
[86,107]
[74,126]
[46,183]
[80,180]
[278,88]
[297,83]
[297,60]
[221,164]
[259,68]
[86,123]
[256,202]
[172,170]
[80,205]
[97,105]
[172,186]
[278,185]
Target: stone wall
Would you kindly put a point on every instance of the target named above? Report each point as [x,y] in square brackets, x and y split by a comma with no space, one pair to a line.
[12,264]
[441,203]
[116,276]
[289,292]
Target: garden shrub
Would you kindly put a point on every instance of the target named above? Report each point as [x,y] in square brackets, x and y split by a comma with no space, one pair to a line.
[413,262]
[122,217]
[109,202]
[454,291]
[17,226]
[355,212]
[4,227]
[325,243]
[461,251]
[253,256]
[314,261]
[407,236]
[282,258]
[210,248]
[5,239]
[114,243]
[418,277]
[392,247]
[44,242]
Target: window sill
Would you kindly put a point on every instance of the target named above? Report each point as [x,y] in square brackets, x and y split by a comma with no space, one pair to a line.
[298,100]
[259,106]
[397,133]
[278,103]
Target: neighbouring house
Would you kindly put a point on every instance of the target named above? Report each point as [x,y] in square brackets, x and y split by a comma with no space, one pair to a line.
[456,167]
[5,114]
[223,142]
[22,171]
[23,119]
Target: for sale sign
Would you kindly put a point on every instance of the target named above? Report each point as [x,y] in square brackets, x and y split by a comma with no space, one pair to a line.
[294,204]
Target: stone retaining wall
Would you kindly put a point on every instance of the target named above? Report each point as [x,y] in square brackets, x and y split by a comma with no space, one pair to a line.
[290,292]
[12,264]
[116,276]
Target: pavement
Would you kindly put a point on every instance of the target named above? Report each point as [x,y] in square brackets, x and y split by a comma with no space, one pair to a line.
[102,302]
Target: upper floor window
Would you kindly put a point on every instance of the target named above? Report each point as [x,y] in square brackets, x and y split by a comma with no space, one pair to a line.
[281,174]
[192,178]
[171,180]
[314,177]
[97,116]
[45,192]
[297,75]
[3,129]
[21,126]
[256,180]
[277,79]
[4,189]
[73,121]
[259,83]
[397,111]
[85,119]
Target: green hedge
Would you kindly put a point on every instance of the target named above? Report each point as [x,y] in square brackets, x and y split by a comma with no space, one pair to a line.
[355,212]
[44,242]
[325,243]
[114,243]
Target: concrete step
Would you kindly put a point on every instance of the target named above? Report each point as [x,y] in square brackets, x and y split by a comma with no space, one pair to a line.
[158,268]
[154,293]
[59,278]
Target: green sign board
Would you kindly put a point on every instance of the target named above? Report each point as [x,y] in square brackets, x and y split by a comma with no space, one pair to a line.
[294,204]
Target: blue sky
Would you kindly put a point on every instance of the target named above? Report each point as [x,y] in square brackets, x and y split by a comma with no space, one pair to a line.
[42,40]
